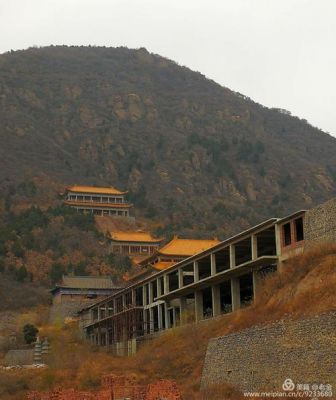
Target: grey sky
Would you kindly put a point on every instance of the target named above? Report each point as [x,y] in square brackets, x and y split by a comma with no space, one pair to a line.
[280,53]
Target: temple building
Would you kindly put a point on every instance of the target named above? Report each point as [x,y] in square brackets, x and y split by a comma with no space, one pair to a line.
[134,243]
[177,250]
[82,288]
[75,292]
[98,200]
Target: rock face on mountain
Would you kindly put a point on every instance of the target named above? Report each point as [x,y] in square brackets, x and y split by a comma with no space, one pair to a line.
[193,154]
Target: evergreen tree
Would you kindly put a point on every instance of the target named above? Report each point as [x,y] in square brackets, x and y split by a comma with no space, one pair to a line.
[29,333]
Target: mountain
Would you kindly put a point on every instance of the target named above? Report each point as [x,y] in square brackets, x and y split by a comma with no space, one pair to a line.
[193,154]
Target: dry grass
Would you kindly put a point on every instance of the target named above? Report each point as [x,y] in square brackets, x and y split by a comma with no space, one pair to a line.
[304,287]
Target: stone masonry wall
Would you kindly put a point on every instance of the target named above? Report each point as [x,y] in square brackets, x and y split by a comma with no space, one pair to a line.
[60,311]
[19,357]
[320,223]
[262,357]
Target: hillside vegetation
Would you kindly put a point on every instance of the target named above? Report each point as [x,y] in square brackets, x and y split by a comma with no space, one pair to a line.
[40,245]
[305,287]
[199,157]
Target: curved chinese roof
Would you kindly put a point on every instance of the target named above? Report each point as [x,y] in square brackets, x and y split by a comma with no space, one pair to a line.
[94,190]
[187,247]
[134,236]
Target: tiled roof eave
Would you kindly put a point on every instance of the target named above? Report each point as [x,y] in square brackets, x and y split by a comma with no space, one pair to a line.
[145,242]
[175,255]
[97,205]
[95,190]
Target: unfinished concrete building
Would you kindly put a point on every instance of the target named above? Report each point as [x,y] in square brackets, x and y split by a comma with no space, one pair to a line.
[218,280]
[75,292]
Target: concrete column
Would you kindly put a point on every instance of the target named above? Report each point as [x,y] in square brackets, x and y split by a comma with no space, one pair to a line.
[144,291]
[198,305]
[107,337]
[99,336]
[180,278]
[216,308]
[158,287]
[160,318]
[113,333]
[99,313]
[166,316]
[278,229]
[124,333]
[196,271]
[256,275]
[114,306]
[165,283]
[151,319]
[183,309]
[133,297]
[235,293]
[150,292]
[213,264]
[174,318]
[232,256]
[123,297]
[254,247]
[145,321]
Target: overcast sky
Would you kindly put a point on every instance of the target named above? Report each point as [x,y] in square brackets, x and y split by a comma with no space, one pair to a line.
[281,53]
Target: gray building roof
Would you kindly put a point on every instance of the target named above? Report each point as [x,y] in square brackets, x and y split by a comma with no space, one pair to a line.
[88,282]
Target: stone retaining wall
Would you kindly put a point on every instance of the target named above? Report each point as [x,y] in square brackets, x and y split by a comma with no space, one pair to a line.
[262,357]
[19,357]
[320,223]
[68,309]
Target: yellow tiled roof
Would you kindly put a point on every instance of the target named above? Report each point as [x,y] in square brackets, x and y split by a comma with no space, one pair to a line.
[187,247]
[161,265]
[94,190]
[134,237]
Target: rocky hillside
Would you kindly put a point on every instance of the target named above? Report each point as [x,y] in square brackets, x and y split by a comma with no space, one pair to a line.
[194,154]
